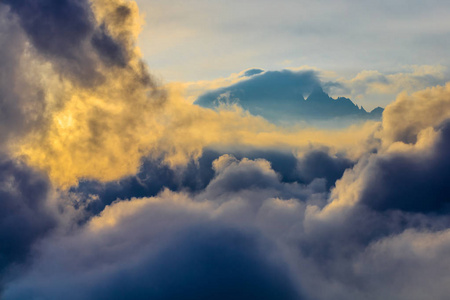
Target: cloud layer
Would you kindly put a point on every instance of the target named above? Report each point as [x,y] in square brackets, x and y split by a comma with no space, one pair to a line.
[113,187]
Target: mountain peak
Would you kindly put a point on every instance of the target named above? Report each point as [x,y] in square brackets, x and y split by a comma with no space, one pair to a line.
[318,94]
[278,97]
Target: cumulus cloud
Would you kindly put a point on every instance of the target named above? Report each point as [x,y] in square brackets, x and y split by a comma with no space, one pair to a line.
[93,144]
[112,186]
[279,173]
[277,238]
[90,81]
[80,114]
[194,257]
[100,129]
[411,182]
[409,114]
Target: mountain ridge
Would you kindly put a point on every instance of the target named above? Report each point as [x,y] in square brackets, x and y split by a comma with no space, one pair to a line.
[279,97]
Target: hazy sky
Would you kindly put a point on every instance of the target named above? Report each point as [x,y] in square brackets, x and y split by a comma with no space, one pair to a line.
[201,39]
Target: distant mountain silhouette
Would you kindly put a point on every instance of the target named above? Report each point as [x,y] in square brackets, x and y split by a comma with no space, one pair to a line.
[279,97]
[320,105]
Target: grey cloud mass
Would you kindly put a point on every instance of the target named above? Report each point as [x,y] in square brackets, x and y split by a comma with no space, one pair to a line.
[272,236]
[22,102]
[417,183]
[317,165]
[204,262]
[66,33]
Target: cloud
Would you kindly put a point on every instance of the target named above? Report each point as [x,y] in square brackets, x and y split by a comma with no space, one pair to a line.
[96,92]
[289,97]
[409,114]
[26,215]
[106,140]
[251,72]
[268,86]
[343,36]
[414,182]
[277,92]
[280,173]
[372,87]
[319,164]
[406,254]
[83,42]
[100,129]
[22,101]
[271,239]
[195,257]
[138,193]
[254,179]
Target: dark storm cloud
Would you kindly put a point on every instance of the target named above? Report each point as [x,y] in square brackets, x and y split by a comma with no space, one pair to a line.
[24,214]
[415,182]
[66,33]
